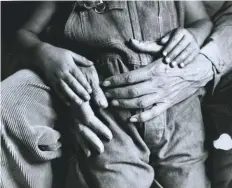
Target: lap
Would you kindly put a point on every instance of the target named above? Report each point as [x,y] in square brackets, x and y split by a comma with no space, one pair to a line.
[29,136]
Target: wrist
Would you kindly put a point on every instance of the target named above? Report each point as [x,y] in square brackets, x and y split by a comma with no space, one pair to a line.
[38,51]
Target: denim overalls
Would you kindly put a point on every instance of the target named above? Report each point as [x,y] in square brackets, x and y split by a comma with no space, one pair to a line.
[168,148]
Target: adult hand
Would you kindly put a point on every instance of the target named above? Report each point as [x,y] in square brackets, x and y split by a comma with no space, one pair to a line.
[88,130]
[157,85]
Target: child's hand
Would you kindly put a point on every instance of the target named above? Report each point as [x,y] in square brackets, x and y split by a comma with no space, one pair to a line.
[181,47]
[62,72]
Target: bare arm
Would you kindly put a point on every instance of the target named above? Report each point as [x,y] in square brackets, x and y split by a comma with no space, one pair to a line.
[197,20]
[70,75]
[27,37]
[183,44]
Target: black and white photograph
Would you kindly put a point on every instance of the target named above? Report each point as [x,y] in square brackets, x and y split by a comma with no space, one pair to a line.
[116,94]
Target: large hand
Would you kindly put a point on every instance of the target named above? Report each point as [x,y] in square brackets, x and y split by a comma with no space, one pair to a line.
[88,130]
[157,85]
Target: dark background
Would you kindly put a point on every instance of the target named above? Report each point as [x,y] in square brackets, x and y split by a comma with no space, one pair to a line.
[13,15]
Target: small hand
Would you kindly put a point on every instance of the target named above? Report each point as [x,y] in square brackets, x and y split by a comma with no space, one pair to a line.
[61,68]
[181,47]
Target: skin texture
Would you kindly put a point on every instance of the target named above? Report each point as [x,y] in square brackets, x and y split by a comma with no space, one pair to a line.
[183,44]
[75,80]
[169,86]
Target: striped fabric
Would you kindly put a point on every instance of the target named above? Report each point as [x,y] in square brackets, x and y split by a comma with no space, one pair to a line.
[28,139]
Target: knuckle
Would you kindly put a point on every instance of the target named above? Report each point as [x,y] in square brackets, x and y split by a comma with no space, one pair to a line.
[129,78]
[145,116]
[66,52]
[64,72]
[77,101]
[153,113]
[141,103]
[133,92]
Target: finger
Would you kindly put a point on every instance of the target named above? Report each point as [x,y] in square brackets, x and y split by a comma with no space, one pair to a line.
[183,55]
[84,146]
[67,91]
[176,51]
[189,59]
[147,46]
[131,77]
[59,93]
[141,102]
[76,87]
[165,39]
[91,138]
[78,75]
[131,91]
[99,128]
[151,113]
[88,118]
[81,60]
[98,96]
[172,42]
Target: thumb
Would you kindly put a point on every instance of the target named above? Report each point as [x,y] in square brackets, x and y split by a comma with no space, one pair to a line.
[146,46]
[81,60]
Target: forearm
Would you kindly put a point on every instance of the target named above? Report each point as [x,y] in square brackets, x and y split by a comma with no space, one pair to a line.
[201,30]
[26,39]
[26,45]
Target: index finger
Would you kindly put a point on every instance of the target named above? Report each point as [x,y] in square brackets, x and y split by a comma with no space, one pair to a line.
[135,76]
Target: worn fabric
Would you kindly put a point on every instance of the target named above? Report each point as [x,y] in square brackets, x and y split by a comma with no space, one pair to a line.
[219,46]
[169,147]
[125,158]
[30,140]
[166,145]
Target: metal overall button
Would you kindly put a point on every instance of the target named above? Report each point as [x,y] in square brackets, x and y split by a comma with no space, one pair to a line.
[100,7]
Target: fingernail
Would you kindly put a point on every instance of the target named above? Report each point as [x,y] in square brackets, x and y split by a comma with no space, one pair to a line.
[115,102]
[167,59]
[87,97]
[106,83]
[109,136]
[103,103]
[182,65]
[107,94]
[87,152]
[135,41]
[174,63]
[100,150]
[89,90]
[133,119]
[165,53]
